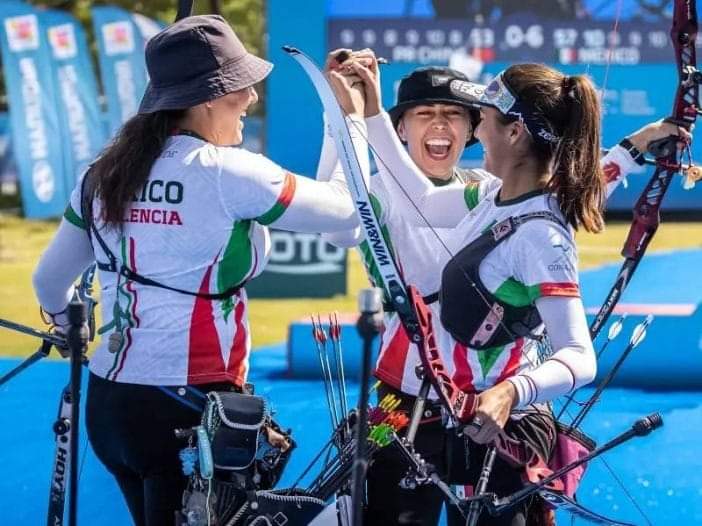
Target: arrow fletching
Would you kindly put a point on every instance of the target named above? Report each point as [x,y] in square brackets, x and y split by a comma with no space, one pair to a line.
[640,331]
[616,328]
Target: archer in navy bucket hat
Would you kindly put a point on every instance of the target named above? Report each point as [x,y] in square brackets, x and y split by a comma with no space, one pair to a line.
[197,59]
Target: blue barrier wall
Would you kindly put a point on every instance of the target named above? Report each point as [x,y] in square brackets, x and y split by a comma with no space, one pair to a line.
[666,285]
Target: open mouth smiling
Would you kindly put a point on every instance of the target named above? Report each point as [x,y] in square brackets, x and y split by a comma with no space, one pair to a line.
[438,149]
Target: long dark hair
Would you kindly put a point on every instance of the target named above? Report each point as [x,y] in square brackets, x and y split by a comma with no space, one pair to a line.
[124,165]
[571,106]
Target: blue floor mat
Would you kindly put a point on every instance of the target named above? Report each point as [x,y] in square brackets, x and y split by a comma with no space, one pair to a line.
[662,472]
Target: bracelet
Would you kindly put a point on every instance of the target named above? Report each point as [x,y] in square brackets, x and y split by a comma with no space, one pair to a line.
[635,153]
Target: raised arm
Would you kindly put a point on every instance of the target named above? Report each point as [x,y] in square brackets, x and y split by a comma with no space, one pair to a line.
[439,206]
[627,156]
[253,187]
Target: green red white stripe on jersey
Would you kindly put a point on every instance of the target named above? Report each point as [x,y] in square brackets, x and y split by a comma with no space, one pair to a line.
[129,313]
[559,289]
[72,217]
[239,261]
[471,194]
[284,200]
[519,295]
[218,343]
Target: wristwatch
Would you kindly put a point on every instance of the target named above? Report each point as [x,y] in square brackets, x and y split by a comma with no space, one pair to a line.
[633,151]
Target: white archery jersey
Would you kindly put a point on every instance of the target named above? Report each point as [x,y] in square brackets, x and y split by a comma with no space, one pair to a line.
[539,260]
[188,228]
[421,254]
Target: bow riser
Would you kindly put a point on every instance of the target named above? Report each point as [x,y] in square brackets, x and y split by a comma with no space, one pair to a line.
[646,211]
[461,404]
[683,34]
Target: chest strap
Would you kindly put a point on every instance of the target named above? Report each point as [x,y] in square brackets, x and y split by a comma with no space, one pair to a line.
[114,265]
[470,312]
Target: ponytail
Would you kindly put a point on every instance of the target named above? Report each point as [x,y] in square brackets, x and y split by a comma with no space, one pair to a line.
[571,106]
[124,166]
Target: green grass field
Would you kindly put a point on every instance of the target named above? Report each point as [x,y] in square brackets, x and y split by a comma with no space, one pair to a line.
[22,241]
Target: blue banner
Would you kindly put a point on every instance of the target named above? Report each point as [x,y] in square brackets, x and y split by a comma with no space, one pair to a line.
[122,63]
[83,134]
[8,175]
[34,119]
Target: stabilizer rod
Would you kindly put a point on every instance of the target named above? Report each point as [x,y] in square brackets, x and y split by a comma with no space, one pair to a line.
[641,427]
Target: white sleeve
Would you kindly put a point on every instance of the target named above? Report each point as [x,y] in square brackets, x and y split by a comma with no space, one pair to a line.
[616,165]
[66,257]
[328,157]
[344,238]
[442,207]
[328,206]
[262,190]
[329,165]
[573,363]
[250,184]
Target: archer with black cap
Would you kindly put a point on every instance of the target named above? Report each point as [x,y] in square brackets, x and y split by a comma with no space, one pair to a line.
[175,213]
[436,126]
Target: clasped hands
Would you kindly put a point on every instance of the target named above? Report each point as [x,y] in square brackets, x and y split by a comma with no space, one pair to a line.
[355,80]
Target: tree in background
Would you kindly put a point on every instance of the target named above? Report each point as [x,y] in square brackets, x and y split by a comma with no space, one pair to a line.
[246,17]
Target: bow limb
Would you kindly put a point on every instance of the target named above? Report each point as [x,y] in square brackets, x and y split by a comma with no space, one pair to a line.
[415,317]
[685,110]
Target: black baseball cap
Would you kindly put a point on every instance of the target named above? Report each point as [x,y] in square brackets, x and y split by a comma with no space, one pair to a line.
[432,85]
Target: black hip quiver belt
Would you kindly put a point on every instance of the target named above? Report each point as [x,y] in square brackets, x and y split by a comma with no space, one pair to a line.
[241,454]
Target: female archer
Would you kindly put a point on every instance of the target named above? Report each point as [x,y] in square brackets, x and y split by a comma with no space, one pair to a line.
[511,271]
[175,214]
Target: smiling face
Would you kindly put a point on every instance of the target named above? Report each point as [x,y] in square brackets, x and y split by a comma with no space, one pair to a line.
[499,140]
[436,136]
[227,113]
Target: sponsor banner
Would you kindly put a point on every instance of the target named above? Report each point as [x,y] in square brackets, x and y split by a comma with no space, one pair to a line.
[83,134]
[33,114]
[147,27]
[8,173]
[122,63]
[301,265]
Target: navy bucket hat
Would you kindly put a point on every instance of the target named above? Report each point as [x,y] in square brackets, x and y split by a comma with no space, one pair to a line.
[197,59]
